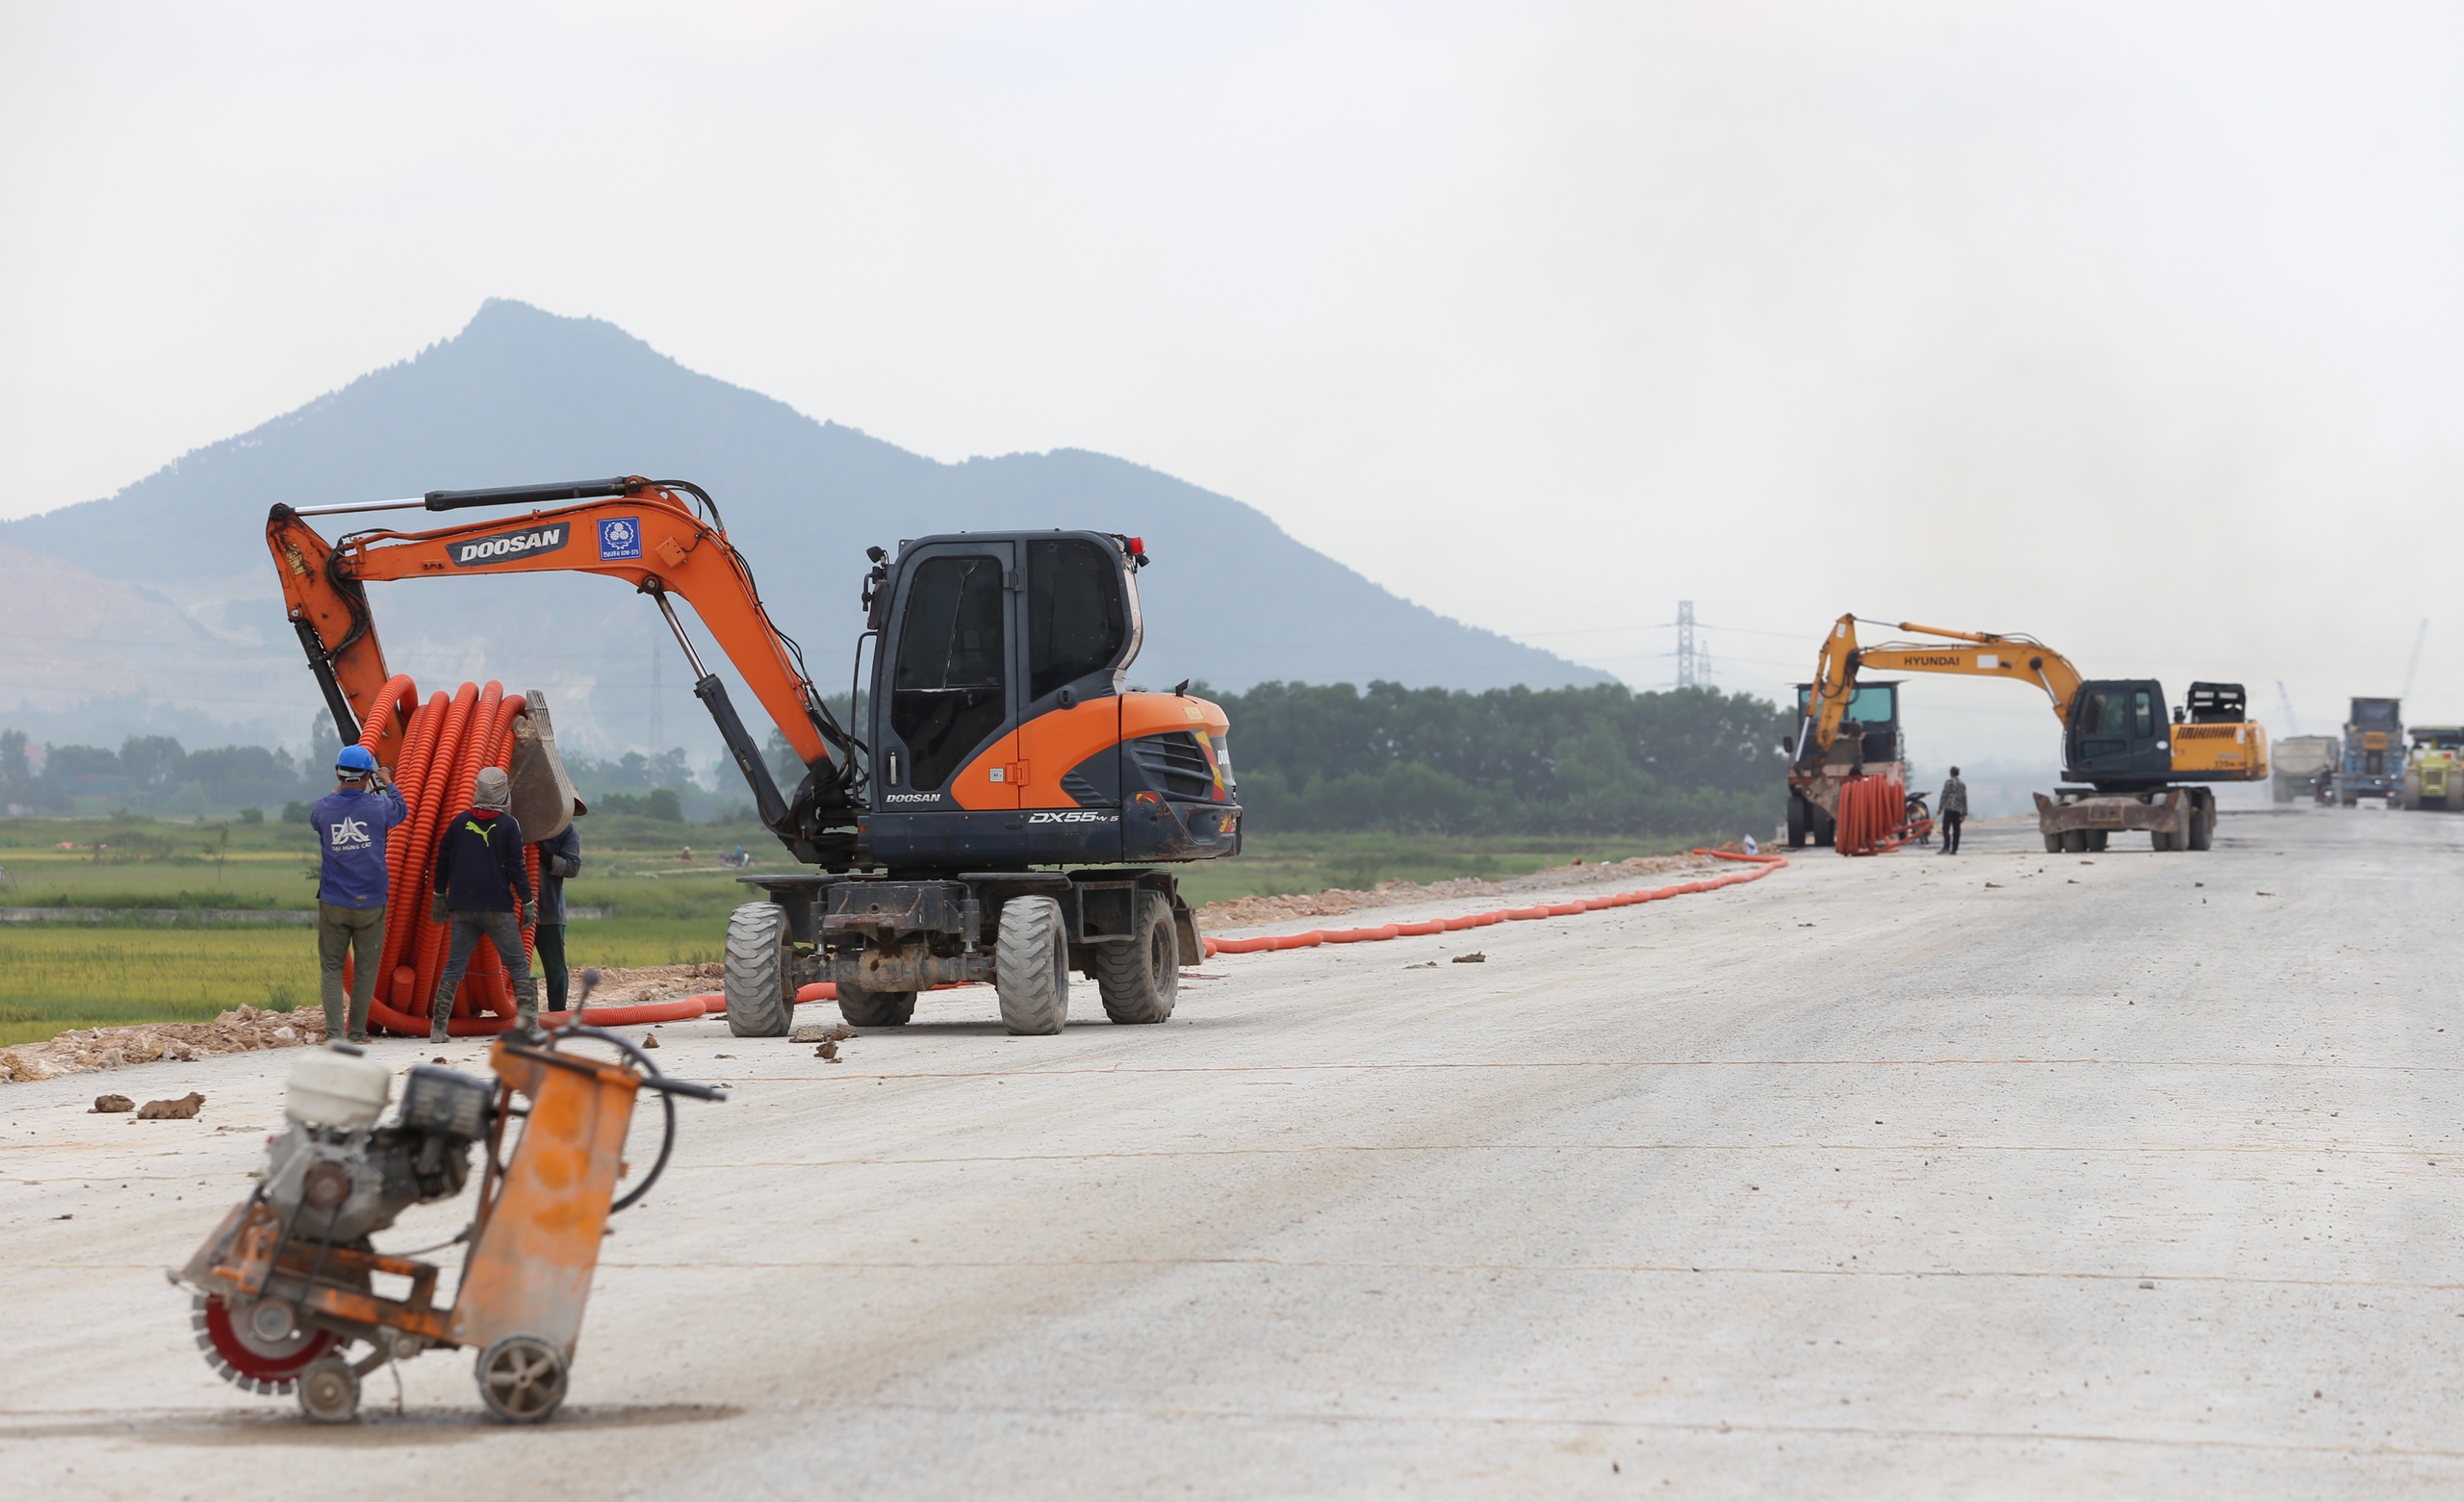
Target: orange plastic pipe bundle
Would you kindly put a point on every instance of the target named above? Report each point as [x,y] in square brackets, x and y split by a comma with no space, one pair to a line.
[1873,816]
[446,743]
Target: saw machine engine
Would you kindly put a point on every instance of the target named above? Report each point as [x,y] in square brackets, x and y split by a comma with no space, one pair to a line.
[285,1285]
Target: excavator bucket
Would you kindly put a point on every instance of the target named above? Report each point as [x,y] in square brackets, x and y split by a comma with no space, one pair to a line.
[543,794]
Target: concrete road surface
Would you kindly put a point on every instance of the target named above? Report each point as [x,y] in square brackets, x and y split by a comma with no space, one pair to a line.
[2007,1175]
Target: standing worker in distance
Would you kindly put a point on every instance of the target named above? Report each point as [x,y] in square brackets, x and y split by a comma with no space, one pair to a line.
[479,870]
[1954,811]
[559,857]
[351,823]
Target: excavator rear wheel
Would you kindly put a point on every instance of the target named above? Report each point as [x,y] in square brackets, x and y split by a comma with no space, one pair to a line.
[865,1008]
[1031,969]
[756,971]
[1139,980]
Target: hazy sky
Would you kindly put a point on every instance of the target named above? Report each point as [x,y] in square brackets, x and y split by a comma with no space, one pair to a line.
[2133,326]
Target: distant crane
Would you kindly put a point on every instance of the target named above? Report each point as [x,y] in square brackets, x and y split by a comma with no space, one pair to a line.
[2291,725]
[2415,665]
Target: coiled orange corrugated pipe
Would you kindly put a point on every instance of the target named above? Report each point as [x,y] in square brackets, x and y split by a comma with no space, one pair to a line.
[1873,816]
[444,744]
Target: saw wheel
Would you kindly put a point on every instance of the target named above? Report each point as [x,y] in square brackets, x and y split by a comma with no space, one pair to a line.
[247,1360]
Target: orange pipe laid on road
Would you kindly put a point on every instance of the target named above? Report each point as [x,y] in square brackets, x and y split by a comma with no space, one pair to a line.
[1763,866]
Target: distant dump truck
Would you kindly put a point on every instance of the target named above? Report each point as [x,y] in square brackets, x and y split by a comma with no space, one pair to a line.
[2433,777]
[2371,762]
[2297,760]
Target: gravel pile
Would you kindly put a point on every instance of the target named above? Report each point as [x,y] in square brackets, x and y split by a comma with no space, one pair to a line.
[243,1031]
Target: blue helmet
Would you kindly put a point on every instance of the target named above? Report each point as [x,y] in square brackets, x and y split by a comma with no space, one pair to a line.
[355,761]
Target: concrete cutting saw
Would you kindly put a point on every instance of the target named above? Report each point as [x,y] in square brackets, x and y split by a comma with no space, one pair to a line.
[285,1286]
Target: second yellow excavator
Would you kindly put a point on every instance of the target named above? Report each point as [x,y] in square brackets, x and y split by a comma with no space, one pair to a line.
[2116,738]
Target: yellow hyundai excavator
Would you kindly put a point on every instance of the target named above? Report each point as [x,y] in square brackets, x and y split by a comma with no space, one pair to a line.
[1001,745]
[2115,737]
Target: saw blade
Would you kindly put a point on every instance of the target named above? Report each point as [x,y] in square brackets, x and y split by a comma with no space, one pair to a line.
[246,1360]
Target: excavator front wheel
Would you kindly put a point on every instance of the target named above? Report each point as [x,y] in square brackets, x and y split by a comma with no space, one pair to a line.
[1031,972]
[1141,979]
[759,1001]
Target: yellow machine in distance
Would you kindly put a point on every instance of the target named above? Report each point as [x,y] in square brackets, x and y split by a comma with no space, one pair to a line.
[2432,778]
[2118,739]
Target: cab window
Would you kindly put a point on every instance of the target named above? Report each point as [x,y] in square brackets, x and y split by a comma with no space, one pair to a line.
[946,694]
[1076,624]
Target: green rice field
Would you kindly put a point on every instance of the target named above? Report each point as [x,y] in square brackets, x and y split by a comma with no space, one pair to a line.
[662,909]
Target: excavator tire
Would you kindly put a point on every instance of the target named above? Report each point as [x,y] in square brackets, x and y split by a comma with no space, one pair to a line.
[2053,844]
[1031,966]
[1797,820]
[758,1004]
[2202,833]
[2097,838]
[2075,842]
[1139,980]
[865,1008]
[2161,839]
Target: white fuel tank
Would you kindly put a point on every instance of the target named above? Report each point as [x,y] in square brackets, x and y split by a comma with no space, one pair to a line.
[335,1086]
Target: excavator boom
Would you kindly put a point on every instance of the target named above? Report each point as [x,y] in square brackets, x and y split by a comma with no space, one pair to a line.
[1980,654]
[640,531]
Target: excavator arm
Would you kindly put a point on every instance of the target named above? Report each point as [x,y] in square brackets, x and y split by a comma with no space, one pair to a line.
[643,532]
[1979,653]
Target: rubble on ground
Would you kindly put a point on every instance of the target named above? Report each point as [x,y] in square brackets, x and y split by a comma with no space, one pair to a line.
[240,1031]
[1335,902]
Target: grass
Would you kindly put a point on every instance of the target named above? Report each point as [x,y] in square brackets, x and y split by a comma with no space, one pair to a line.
[57,978]
[53,977]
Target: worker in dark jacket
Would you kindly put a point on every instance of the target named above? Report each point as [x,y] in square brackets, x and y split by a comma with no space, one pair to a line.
[1953,809]
[483,889]
[559,857]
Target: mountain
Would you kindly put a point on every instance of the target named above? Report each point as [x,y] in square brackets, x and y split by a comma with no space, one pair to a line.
[523,396]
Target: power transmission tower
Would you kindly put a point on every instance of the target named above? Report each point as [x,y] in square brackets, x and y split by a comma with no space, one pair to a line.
[1687,673]
[2291,725]
[2415,665]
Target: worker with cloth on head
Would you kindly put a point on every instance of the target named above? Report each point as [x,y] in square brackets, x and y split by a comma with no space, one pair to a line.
[351,823]
[1953,808]
[559,857]
[479,871]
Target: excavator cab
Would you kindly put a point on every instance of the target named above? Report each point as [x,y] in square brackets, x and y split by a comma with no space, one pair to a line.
[1001,732]
[2118,735]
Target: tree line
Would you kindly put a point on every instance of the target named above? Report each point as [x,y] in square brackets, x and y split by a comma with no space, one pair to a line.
[1308,758]
[1598,760]
[155,774]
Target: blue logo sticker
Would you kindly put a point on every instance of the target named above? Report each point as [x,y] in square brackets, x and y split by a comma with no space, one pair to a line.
[620,537]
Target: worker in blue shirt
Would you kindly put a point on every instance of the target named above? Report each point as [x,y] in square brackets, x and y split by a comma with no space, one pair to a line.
[351,823]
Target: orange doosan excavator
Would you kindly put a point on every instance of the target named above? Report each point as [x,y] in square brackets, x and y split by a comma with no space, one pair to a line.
[1011,813]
